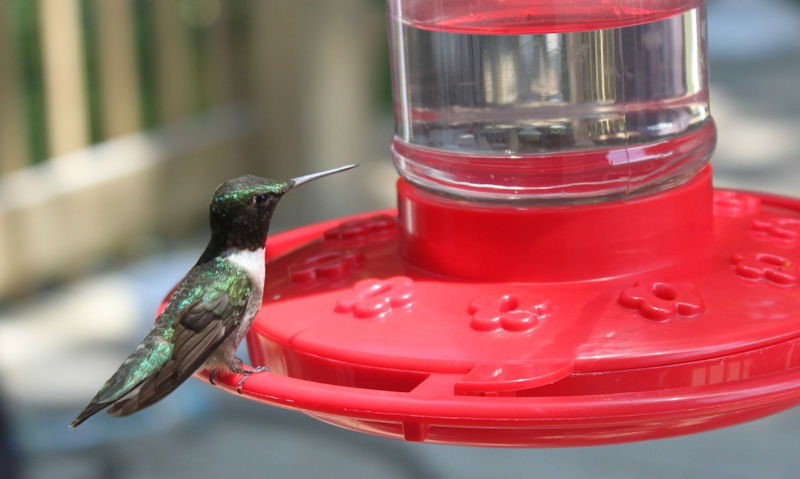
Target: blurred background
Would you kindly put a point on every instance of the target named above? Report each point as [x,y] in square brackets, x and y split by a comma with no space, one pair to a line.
[118,118]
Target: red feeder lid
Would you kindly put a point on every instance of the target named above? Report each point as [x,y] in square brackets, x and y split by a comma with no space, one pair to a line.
[619,321]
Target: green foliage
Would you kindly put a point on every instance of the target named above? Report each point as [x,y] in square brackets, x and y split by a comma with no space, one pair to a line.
[90,42]
[145,41]
[24,18]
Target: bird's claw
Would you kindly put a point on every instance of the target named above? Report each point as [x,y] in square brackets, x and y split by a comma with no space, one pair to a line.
[246,373]
[211,377]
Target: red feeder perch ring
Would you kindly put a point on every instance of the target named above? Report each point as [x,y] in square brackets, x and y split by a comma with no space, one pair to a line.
[695,329]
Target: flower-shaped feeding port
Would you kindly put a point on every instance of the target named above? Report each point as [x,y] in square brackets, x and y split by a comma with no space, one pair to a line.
[782,230]
[326,265]
[660,301]
[734,204]
[375,298]
[507,312]
[362,230]
[768,267]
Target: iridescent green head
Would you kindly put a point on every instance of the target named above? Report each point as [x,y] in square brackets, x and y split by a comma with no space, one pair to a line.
[248,192]
[241,209]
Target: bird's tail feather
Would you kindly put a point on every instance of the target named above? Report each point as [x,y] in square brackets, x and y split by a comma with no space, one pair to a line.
[92,409]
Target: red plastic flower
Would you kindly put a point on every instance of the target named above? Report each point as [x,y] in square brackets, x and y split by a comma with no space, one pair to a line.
[325,265]
[766,266]
[735,204]
[366,229]
[661,301]
[508,312]
[782,230]
[371,298]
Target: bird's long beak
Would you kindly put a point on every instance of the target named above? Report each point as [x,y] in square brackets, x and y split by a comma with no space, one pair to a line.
[313,176]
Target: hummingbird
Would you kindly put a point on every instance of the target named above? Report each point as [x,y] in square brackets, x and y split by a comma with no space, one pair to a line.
[211,308]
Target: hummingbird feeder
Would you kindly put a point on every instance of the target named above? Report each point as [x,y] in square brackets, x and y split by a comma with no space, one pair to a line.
[559,270]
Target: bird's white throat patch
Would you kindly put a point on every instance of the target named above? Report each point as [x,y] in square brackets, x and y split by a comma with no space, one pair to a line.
[250,261]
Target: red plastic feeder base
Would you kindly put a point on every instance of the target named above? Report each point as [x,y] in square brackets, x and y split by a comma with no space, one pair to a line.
[556,326]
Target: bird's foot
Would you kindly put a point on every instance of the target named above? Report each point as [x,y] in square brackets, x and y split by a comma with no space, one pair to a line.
[246,372]
[211,377]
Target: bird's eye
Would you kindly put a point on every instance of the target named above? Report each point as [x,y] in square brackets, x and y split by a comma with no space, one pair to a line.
[262,198]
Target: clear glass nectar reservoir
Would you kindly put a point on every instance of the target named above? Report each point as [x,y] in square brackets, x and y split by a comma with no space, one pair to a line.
[549,101]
